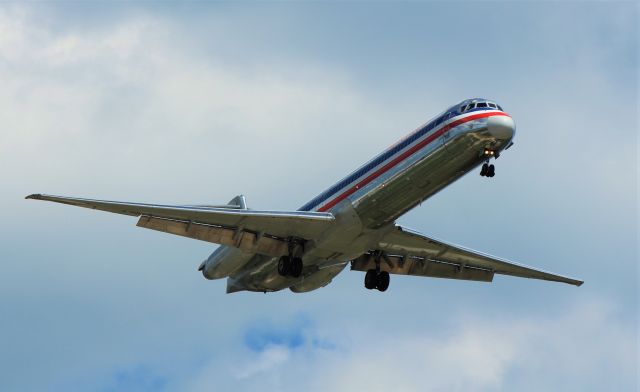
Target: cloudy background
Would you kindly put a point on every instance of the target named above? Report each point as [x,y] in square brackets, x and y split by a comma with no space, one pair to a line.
[196,103]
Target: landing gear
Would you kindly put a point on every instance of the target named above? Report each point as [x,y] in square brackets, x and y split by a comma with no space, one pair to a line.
[376,280]
[290,266]
[296,267]
[383,281]
[284,265]
[488,170]
[371,279]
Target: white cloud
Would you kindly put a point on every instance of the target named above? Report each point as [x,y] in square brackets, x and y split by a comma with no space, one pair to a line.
[479,353]
[267,360]
[141,106]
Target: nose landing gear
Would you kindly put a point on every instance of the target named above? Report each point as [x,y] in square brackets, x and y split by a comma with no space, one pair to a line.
[488,170]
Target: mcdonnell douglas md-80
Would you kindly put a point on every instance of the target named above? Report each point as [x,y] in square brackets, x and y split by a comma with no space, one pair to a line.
[353,222]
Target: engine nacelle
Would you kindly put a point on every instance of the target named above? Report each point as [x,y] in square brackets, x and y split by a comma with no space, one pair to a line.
[223,262]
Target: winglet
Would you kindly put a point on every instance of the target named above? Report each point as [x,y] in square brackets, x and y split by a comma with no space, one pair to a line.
[35,196]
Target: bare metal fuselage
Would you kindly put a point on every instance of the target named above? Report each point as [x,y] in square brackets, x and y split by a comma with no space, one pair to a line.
[367,208]
[351,222]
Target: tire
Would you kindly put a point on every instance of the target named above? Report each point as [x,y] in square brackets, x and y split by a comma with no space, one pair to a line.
[484,170]
[284,266]
[492,171]
[383,281]
[296,267]
[370,280]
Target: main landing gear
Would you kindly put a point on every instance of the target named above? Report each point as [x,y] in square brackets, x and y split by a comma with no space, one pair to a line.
[376,280]
[290,266]
[488,170]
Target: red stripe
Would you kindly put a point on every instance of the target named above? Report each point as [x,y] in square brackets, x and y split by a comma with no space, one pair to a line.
[405,155]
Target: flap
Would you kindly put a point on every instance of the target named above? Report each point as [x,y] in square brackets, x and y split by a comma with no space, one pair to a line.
[403,242]
[417,266]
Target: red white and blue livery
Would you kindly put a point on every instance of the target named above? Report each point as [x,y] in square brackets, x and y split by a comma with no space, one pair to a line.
[353,222]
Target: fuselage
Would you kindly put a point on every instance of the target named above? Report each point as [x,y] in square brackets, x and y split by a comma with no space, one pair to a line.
[372,197]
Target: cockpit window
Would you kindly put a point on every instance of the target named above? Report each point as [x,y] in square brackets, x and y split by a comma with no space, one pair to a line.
[499,108]
[482,105]
[463,108]
[471,106]
[491,105]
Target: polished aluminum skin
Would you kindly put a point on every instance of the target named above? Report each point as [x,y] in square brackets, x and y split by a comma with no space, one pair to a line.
[352,222]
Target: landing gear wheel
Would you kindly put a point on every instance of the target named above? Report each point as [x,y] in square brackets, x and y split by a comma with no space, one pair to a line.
[383,281]
[371,279]
[296,267]
[284,266]
[492,171]
[484,170]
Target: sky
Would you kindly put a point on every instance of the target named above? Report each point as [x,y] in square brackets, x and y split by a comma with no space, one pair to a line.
[194,103]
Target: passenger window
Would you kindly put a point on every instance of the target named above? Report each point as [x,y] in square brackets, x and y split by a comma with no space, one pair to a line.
[482,105]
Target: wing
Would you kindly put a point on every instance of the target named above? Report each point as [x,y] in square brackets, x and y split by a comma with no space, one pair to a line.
[257,231]
[403,251]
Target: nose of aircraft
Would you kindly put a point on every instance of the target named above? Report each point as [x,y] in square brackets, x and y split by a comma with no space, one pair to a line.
[501,127]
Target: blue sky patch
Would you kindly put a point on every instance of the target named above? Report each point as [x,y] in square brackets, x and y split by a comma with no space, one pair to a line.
[264,334]
[137,378]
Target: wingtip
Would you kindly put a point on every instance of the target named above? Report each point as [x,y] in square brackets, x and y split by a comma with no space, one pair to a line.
[35,196]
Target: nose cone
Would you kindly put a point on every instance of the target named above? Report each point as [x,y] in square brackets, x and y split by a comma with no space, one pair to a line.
[501,127]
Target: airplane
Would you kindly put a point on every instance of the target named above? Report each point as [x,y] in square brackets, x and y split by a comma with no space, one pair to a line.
[353,222]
